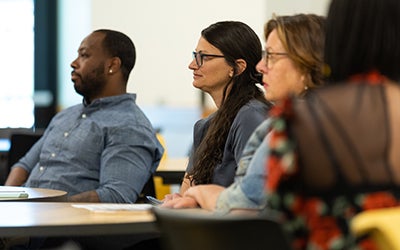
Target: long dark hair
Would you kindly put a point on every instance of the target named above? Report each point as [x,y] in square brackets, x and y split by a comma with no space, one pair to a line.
[235,40]
[363,35]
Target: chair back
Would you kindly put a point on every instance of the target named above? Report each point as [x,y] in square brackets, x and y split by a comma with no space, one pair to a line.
[17,141]
[188,229]
[149,189]
[20,143]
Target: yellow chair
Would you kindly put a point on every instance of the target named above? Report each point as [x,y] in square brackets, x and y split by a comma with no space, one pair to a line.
[161,189]
[383,226]
[161,139]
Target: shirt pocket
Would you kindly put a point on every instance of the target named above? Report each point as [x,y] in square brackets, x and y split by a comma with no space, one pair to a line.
[85,145]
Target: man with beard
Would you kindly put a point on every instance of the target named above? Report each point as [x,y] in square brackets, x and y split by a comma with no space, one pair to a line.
[105,149]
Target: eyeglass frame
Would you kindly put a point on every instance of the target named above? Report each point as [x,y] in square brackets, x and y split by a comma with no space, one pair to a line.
[202,55]
[267,56]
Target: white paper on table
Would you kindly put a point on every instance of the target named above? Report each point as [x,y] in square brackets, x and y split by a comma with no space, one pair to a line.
[13,194]
[107,207]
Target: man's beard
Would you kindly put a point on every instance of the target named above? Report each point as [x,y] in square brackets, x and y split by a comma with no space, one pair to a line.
[91,84]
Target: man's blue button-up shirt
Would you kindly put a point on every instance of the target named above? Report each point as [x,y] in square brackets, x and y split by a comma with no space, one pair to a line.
[108,146]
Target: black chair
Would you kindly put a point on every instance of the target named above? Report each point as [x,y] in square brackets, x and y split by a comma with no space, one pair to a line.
[184,229]
[20,143]
[149,189]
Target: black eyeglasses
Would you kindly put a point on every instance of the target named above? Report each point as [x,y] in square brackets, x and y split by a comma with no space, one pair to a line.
[198,56]
[268,56]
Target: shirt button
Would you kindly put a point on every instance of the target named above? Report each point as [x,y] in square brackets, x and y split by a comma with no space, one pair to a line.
[53,154]
[83,115]
[41,168]
[66,134]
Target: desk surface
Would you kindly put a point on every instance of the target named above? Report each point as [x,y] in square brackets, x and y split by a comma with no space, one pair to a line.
[62,219]
[35,194]
[173,164]
[172,170]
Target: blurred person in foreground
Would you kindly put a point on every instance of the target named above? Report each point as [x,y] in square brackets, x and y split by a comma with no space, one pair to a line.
[344,141]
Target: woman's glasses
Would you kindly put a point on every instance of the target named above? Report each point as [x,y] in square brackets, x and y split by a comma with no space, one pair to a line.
[270,59]
[199,57]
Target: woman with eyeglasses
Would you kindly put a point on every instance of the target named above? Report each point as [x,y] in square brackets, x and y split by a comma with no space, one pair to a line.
[346,137]
[292,60]
[292,65]
[223,66]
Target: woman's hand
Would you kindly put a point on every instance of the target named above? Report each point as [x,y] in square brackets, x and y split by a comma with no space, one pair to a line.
[177,201]
[206,196]
[170,197]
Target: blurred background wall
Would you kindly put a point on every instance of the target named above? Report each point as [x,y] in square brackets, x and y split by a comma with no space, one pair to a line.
[164,32]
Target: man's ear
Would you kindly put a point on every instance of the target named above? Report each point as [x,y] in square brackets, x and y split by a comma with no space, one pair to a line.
[114,65]
[241,66]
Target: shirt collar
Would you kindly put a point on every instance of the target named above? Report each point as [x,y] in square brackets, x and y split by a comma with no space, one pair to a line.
[108,100]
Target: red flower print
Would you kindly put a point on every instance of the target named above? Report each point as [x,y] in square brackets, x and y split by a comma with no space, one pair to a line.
[324,231]
[275,173]
[368,244]
[378,200]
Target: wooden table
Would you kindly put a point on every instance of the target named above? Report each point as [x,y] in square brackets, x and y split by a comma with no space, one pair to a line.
[36,194]
[172,170]
[62,219]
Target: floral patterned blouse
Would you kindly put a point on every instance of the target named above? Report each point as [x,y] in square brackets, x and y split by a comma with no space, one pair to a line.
[317,215]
